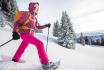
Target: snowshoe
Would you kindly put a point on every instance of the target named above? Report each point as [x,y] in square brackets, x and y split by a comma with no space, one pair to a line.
[51,66]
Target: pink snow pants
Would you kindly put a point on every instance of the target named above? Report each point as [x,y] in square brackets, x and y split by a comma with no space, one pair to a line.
[29,38]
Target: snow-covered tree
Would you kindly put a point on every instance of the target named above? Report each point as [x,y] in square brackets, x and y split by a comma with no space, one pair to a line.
[8,10]
[82,40]
[56,28]
[66,35]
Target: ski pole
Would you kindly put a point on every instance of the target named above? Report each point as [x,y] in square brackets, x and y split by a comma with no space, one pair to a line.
[47,39]
[6,42]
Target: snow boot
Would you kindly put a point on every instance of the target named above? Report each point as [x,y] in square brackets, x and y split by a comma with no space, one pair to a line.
[50,66]
[15,60]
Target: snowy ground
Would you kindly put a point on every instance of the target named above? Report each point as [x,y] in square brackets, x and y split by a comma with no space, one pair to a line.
[82,58]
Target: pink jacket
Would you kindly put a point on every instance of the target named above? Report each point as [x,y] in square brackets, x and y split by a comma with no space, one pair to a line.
[32,23]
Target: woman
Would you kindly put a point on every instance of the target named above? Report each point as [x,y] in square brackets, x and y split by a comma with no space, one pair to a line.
[24,27]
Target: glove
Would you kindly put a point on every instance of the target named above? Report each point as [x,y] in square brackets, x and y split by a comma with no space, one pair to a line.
[48,25]
[15,36]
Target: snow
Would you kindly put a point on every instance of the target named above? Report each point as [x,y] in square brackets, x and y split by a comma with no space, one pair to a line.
[82,58]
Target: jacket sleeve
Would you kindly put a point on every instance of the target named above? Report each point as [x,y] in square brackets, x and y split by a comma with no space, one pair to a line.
[37,25]
[40,26]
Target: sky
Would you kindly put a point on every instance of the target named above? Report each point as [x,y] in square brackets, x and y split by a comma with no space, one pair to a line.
[85,15]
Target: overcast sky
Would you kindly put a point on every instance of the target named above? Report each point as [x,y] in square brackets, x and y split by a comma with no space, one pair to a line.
[85,15]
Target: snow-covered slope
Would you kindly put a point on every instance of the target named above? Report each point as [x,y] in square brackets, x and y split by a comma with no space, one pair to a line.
[82,58]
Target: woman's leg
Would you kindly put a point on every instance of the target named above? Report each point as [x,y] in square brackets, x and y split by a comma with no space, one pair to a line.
[40,47]
[20,51]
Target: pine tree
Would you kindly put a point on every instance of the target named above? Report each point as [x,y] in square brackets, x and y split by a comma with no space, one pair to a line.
[56,28]
[8,10]
[82,40]
[66,35]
